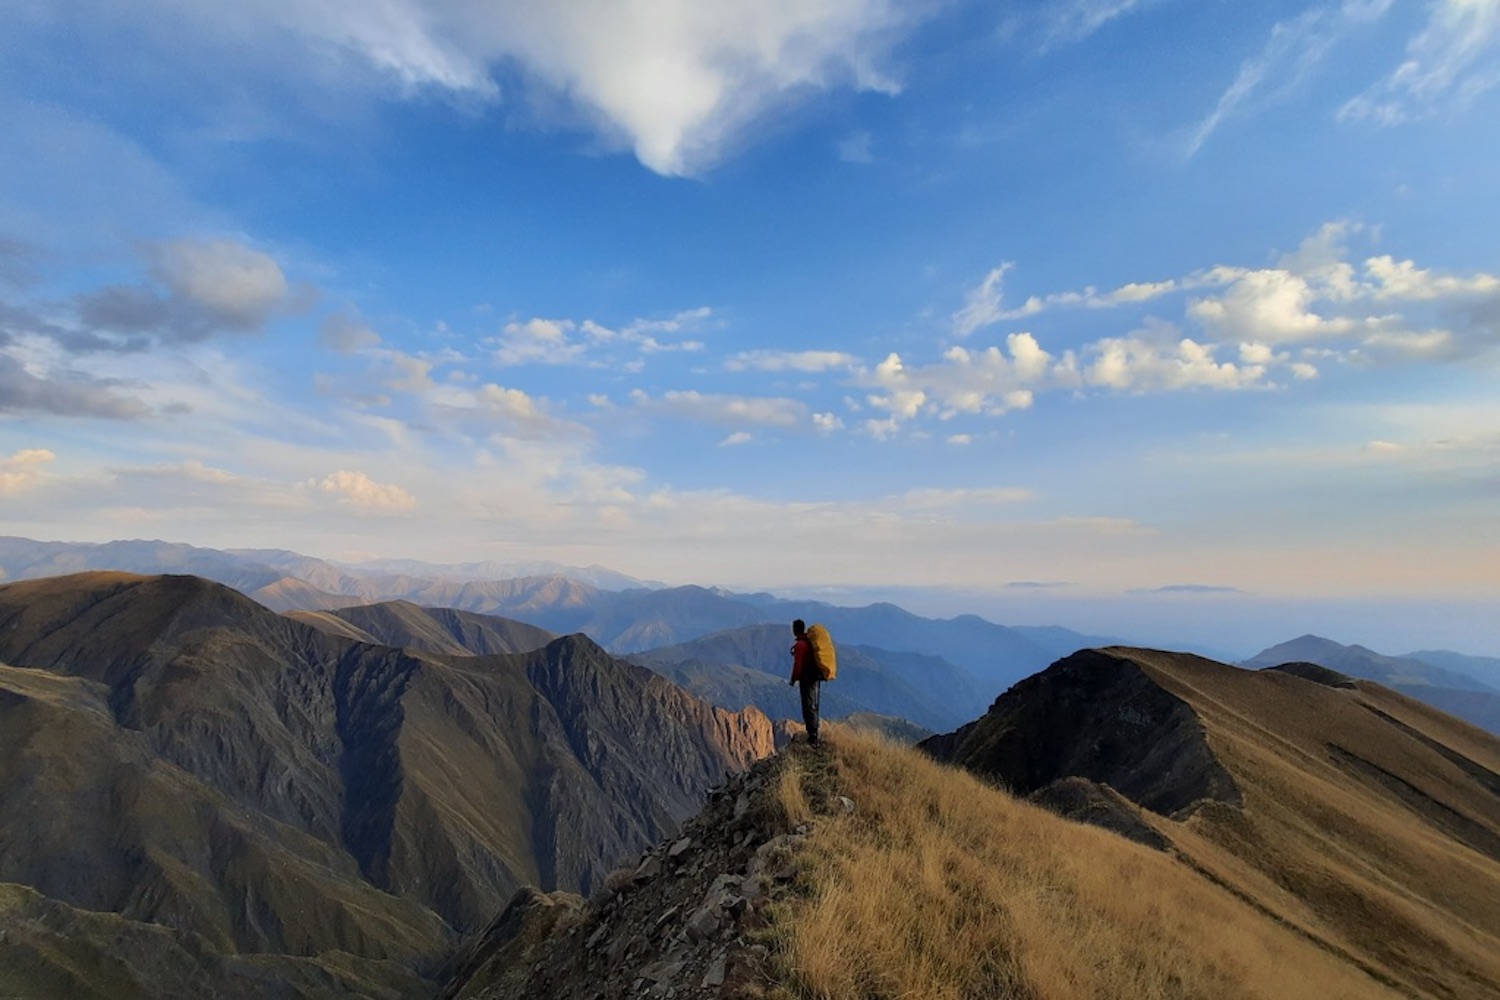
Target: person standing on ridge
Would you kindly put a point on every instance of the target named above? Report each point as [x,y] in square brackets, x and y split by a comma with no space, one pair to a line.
[805,674]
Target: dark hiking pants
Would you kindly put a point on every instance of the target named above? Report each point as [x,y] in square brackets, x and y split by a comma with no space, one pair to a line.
[810,707]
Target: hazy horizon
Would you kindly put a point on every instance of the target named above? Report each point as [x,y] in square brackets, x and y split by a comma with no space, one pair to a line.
[1140,308]
[1225,625]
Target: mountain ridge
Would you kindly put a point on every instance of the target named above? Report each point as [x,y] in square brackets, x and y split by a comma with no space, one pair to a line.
[228,771]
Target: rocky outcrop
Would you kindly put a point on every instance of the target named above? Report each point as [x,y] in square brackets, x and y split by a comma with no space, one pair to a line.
[685,920]
[1097,715]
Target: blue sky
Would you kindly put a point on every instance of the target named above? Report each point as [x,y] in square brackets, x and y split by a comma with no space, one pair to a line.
[1112,313]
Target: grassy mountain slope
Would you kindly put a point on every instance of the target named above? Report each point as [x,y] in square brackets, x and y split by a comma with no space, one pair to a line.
[1365,821]
[939,885]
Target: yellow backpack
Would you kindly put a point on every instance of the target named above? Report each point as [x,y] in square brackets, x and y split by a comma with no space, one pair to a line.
[825,659]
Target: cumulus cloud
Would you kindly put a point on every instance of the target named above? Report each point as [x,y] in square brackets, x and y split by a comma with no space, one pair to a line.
[538,341]
[988,382]
[358,491]
[1154,360]
[1454,59]
[1269,306]
[1382,306]
[1241,328]
[541,341]
[24,470]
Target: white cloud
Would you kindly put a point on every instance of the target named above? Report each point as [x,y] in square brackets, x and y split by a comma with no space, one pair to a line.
[1075,20]
[538,342]
[512,403]
[738,437]
[1295,50]
[1149,361]
[678,81]
[987,381]
[715,408]
[1454,59]
[566,342]
[359,491]
[1393,279]
[24,470]
[793,361]
[982,306]
[1270,306]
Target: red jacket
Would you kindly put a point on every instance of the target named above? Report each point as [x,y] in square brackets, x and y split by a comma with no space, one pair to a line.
[801,656]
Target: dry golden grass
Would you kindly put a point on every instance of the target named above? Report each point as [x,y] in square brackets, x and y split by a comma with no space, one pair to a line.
[939,887]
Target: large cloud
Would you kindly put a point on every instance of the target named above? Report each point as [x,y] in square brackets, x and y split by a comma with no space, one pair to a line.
[198,288]
[62,392]
[679,82]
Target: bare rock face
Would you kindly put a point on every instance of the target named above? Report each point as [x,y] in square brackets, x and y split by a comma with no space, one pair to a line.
[176,755]
[1094,715]
[682,921]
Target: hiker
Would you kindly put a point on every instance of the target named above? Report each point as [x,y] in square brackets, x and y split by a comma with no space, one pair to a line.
[805,673]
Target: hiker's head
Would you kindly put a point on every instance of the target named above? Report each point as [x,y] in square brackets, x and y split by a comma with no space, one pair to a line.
[798,627]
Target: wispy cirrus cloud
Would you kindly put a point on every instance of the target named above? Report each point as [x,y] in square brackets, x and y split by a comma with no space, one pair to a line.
[1454,59]
[718,408]
[789,361]
[1295,51]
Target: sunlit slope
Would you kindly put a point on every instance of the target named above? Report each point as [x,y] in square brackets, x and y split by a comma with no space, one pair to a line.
[1364,821]
[938,885]
[1370,820]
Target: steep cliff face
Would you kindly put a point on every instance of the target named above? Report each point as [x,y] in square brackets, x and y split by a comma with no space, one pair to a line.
[1099,716]
[174,753]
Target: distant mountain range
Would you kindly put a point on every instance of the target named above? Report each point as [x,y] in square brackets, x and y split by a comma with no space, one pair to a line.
[228,781]
[1465,686]
[200,796]
[635,618]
